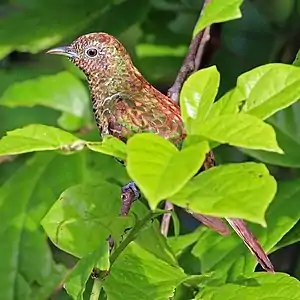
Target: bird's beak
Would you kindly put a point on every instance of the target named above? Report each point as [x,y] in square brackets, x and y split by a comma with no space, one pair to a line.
[65,50]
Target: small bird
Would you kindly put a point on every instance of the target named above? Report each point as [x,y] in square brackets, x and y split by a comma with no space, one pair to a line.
[125,103]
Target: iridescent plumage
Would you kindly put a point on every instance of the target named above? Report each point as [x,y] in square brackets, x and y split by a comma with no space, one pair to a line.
[124,103]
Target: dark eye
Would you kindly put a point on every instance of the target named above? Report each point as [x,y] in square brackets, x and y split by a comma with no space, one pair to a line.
[91,52]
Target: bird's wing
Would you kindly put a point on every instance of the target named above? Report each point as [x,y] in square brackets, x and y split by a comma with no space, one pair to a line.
[126,115]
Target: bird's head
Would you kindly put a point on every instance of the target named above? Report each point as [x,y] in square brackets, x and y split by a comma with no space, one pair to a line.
[96,53]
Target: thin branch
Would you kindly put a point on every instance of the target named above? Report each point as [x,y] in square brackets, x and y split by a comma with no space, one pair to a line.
[187,68]
[130,237]
[165,223]
[191,64]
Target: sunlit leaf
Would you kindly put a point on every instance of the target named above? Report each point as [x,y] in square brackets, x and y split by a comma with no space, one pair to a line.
[235,190]
[38,137]
[240,130]
[159,168]
[217,11]
[280,218]
[197,97]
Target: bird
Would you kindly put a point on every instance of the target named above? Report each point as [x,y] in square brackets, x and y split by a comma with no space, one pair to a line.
[125,103]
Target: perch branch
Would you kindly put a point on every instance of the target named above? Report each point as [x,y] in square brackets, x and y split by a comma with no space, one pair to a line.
[191,64]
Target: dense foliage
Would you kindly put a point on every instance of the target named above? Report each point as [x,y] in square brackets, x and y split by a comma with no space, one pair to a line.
[60,184]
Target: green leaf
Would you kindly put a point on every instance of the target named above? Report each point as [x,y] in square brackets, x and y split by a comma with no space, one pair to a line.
[217,11]
[85,215]
[45,23]
[110,146]
[296,62]
[37,137]
[76,282]
[278,286]
[62,91]
[197,97]
[240,130]
[181,242]
[159,168]
[237,259]
[150,279]
[137,12]
[235,190]
[267,89]
[27,269]
[151,238]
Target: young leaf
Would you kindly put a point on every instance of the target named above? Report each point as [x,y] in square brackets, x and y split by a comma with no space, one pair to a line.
[38,137]
[240,130]
[159,168]
[197,97]
[75,284]
[272,286]
[217,11]
[267,89]
[110,146]
[236,190]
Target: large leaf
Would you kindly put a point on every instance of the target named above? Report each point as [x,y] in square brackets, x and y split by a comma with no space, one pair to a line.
[38,137]
[259,286]
[159,168]
[281,216]
[217,11]
[63,92]
[147,277]
[265,90]
[286,125]
[240,130]
[85,215]
[26,261]
[45,23]
[197,96]
[236,190]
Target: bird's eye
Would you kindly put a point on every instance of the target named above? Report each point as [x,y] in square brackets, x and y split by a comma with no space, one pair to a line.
[91,52]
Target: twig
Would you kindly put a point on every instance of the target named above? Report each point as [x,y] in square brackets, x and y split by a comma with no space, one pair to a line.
[130,237]
[191,64]
[165,223]
[187,68]
[96,289]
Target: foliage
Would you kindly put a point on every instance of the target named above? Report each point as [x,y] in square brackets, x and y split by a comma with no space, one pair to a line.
[60,184]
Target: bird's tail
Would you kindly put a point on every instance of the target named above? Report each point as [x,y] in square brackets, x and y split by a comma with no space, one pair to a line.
[243,231]
[241,228]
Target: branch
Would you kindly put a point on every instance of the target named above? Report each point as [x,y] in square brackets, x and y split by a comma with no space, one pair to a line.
[190,65]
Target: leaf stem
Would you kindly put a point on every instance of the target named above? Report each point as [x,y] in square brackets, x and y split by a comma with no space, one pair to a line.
[96,290]
[132,236]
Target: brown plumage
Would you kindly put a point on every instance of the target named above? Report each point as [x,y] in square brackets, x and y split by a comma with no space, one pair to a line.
[125,103]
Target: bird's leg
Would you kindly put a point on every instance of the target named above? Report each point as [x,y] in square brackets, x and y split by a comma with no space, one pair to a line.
[130,193]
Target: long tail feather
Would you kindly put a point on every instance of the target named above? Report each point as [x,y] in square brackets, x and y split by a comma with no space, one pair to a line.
[241,228]
[214,223]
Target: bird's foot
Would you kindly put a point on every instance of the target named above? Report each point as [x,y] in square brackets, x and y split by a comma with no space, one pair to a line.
[134,188]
